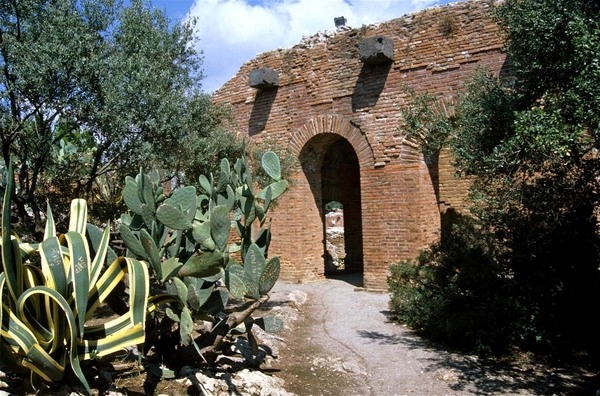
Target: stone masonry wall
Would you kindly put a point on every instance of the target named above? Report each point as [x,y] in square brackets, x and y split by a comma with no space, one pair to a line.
[326,93]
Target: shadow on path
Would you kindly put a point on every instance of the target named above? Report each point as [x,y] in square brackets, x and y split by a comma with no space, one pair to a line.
[353,279]
[345,342]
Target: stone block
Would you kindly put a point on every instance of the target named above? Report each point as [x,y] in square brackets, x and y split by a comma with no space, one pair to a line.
[264,78]
[340,21]
[378,49]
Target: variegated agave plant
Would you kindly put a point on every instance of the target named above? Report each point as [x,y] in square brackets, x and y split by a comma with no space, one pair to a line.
[45,308]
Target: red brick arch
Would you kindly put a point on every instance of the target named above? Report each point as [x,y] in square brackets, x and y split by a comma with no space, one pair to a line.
[329,101]
[333,123]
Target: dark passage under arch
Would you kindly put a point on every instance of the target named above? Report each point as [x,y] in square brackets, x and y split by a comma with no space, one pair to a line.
[340,182]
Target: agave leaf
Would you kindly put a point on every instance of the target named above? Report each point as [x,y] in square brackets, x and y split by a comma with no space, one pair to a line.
[50,229]
[53,265]
[271,165]
[79,272]
[78,216]
[107,281]
[120,337]
[139,290]
[95,236]
[128,329]
[100,254]
[39,361]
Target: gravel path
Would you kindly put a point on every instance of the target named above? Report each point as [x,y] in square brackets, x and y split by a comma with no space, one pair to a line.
[340,341]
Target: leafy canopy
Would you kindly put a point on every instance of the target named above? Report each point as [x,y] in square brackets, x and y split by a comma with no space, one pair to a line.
[89,91]
[530,145]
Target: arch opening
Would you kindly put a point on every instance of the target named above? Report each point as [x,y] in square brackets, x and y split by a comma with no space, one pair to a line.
[332,169]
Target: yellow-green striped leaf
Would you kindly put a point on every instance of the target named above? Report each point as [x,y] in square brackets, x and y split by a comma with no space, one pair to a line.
[80,273]
[78,216]
[53,265]
[50,229]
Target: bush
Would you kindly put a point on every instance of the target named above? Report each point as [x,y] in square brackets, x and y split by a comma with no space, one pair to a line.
[458,292]
[332,206]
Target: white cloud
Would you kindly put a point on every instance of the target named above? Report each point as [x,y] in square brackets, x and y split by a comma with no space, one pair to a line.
[234,31]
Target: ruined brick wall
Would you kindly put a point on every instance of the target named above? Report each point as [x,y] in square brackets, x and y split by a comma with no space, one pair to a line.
[326,94]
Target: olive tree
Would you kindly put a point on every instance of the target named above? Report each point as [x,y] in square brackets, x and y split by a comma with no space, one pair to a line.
[90,91]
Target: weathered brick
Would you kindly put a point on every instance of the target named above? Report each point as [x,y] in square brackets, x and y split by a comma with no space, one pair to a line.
[337,114]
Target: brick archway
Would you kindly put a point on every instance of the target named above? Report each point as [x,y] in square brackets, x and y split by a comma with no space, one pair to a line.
[329,97]
[332,154]
[333,123]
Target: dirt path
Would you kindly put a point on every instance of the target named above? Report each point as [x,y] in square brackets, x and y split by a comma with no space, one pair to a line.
[341,342]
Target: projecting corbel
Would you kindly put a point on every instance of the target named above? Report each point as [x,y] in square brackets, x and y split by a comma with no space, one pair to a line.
[264,78]
[378,49]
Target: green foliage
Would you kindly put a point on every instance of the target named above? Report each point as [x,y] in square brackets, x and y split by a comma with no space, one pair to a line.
[333,205]
[286,159]
[186,236]
[45,310]
[208,139]
[485,118]
[530,147]
[425,120]
[553,47]
[91,91]
[459,292]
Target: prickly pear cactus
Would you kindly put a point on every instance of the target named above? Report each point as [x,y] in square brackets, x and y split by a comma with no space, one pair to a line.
[185,238]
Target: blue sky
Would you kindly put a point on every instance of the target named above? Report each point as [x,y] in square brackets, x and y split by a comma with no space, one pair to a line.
[234,31]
